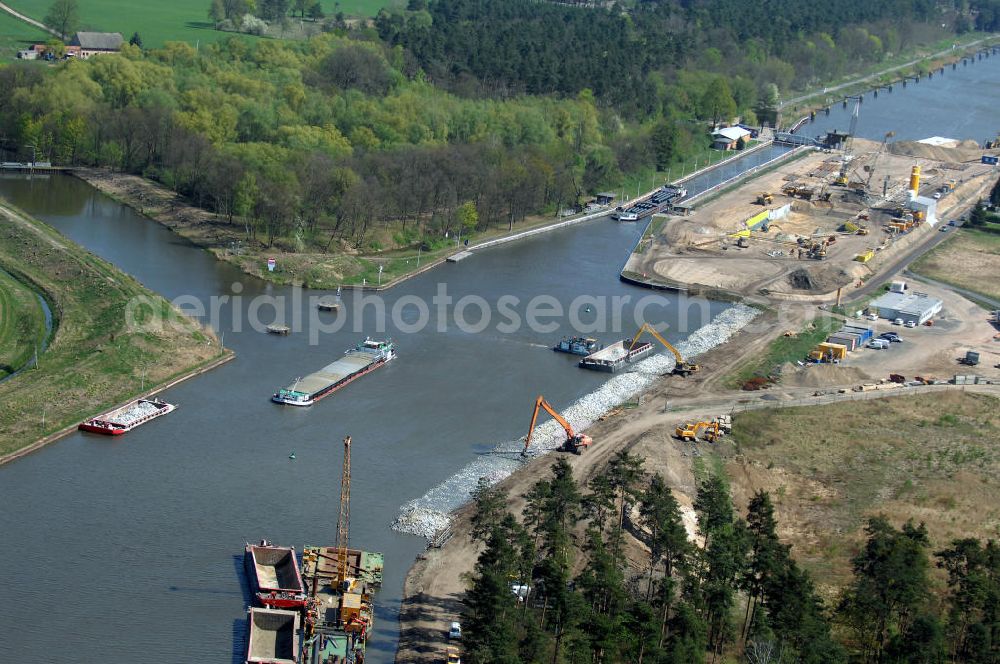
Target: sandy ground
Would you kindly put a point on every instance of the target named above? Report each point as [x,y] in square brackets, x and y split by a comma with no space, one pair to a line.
[699,251]
[435,584]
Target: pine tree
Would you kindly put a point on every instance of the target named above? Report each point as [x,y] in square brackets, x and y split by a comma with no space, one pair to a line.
[767,554]
[890,585]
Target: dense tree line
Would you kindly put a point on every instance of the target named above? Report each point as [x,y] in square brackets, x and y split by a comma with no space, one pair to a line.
[631,56]
[556,586]
[307,143]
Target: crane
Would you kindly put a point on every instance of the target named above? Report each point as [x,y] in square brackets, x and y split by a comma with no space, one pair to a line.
[881,149]
[343,521]
[574,442]
[681,367]
[849,142]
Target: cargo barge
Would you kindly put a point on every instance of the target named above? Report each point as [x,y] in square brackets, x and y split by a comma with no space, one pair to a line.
[664,198]
[578,346]
[124,419]
[340,616]
[272,636]
[616,356]
[363,358]
[274,575]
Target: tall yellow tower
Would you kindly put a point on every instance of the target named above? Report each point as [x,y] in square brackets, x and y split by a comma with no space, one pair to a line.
[915,179]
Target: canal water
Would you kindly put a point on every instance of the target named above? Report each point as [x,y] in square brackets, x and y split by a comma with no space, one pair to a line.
[129,550]
[958,103]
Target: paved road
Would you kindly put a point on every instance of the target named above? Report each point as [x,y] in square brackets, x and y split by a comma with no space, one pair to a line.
[18,15]
[810,95]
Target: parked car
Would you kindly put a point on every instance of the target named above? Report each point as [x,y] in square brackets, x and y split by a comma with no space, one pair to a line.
[891,337]
[455,632]
[953,223]
[898,321]
[910,323]
[878,344]
[871,316]
[937,195]
[944,229]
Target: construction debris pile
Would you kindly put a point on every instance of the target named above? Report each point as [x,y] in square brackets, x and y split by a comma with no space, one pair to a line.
[429,514]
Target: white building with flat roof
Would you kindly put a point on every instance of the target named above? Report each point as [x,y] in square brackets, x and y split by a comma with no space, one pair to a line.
[916,307]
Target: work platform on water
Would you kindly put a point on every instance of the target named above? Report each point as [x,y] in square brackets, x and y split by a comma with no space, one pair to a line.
[614,357]
[460,256]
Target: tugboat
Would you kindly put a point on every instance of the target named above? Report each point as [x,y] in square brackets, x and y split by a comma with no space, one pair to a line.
[578,346]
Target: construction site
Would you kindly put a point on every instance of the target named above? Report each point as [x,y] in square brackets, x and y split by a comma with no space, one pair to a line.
[819,223]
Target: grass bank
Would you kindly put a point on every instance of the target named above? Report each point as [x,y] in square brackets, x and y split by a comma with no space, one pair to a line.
[966,260]
[22,324]
[931,457]
[97,357]
[790,347]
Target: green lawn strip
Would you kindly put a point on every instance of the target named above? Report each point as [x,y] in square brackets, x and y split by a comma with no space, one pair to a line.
[95,359]
[178,20]
[16,35]
[22,324]
[785,349]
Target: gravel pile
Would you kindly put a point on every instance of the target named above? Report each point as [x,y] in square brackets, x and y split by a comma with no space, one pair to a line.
[134,414]
[429,514]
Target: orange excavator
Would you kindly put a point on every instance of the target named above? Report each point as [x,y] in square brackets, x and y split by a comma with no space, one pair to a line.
[575,442]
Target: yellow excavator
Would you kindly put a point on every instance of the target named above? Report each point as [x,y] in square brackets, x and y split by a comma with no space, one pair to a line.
[575,442]
[682,366]
[689,432]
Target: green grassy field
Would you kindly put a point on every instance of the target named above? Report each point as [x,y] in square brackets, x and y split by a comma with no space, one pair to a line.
[22,324]
[99,355]
[158,22]
[16,35]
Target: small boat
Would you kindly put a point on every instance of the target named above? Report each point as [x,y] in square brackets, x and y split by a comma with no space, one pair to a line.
[278,329]
[578,346]
[274,575]
[124,419]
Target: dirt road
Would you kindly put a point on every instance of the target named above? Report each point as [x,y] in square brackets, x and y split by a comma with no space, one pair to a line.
[435,584]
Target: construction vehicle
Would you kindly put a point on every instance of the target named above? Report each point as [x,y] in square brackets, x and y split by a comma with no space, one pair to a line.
[681,366]
[765,198]
[742,242]
[575,442]
[689,432]
[343,521]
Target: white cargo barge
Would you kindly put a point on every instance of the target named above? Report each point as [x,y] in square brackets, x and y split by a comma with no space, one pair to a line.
[364,358]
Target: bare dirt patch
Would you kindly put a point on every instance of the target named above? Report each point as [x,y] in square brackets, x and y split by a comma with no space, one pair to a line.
[928,457]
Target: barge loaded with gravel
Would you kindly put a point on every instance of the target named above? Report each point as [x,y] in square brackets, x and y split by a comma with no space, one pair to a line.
[124,419]
[363,358]
[616,356]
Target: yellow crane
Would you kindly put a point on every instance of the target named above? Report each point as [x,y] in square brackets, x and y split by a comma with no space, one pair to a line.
[682,367]
[575,442]
[343,521]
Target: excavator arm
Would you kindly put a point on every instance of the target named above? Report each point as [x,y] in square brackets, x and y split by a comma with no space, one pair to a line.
[572,439]
[681,367]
